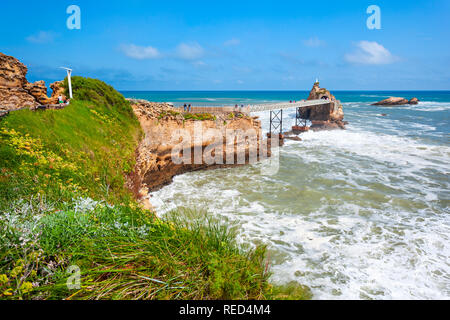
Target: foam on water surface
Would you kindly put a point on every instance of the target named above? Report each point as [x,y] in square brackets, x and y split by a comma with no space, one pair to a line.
[358,214]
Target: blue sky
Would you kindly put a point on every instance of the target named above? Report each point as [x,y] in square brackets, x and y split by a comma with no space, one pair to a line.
[234,45]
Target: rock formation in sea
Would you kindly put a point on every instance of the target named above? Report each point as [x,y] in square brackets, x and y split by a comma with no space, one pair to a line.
[15,90]
[396,101]
[155,167]
[414,101]
[324,117]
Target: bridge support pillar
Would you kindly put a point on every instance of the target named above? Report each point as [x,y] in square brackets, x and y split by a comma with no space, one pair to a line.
[276,126]
[300,123]
[276,121]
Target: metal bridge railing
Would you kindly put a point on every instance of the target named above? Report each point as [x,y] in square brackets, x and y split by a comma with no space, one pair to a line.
[281,106]
[258,107]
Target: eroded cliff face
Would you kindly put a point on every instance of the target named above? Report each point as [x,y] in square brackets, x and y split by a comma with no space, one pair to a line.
[15,91]
[324,117]
[166,129]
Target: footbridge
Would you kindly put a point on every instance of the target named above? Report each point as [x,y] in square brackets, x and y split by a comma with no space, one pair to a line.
[276,112]
[285,105]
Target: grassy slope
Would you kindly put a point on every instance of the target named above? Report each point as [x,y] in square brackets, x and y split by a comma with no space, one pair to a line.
[52,164]
[86,147]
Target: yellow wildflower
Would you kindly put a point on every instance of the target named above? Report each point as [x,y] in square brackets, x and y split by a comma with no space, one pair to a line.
[16,271]
[26,287]
[8,292]
[3,279]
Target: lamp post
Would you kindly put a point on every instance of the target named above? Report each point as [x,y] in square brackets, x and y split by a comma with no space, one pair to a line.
[69,79]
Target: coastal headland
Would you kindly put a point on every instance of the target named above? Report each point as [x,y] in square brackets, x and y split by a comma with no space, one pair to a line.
[223,138]
[73,230]
[96,159]
[177,142]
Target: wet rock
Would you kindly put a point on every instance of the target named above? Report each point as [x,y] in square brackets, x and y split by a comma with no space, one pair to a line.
[392,101]
[414,101]
[328,125]
[292,135]
[293,138]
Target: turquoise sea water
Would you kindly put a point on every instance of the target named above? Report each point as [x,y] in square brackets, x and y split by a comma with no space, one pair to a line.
[360,214]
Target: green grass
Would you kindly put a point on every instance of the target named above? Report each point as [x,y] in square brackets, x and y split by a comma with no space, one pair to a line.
[188,116]
[199,116]
[86,148]
[125,253]
[52,164]
[168,113]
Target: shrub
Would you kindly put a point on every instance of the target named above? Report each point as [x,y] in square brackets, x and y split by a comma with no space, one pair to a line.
[100,93]
[199,116]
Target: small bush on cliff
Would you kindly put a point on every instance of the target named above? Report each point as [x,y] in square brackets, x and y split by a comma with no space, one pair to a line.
[100,93]
[199,116]
[168,113]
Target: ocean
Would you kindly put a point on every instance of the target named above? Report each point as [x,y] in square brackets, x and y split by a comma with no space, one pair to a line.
[355,214]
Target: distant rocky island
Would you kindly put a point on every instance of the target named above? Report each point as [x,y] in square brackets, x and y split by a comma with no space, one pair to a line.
[396,101]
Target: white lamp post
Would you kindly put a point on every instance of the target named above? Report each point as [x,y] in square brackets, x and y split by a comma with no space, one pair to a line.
[69,79]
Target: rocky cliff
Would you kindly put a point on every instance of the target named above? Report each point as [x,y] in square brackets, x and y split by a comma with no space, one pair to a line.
[155,166]
[15,90]
[327,116]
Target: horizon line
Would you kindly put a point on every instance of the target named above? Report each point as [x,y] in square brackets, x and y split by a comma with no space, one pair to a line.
[290,90]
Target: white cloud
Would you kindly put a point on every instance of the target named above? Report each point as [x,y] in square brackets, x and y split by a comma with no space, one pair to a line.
[41,37]
[314,42]
[189,51]
[370,52]
[232,42]
[140,53]
[240,82]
